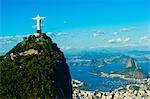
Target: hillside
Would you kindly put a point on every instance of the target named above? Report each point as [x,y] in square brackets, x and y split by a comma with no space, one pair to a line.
[35,68]
[132,70]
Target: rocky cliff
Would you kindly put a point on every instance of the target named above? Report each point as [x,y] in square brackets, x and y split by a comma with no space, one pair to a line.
[132,70]
[131,63]
[35,68]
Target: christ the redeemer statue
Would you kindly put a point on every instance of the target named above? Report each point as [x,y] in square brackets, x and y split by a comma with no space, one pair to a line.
[38,25]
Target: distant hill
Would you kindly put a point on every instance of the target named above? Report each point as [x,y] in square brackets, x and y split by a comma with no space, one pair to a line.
[131,63]
[35,68]
[132,70]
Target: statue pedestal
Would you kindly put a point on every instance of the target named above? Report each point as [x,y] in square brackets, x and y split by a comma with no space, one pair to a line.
[37,34]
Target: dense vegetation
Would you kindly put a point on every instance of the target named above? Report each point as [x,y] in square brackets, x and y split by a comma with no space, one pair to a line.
[134,87]
[42,75]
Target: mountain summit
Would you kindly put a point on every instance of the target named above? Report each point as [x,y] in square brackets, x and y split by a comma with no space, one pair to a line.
[131,63]
[35,68]
[132,70]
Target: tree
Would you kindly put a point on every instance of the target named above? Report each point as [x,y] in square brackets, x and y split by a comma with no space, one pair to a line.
[44,75]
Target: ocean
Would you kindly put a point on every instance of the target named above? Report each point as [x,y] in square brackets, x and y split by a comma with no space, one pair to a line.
[104,84]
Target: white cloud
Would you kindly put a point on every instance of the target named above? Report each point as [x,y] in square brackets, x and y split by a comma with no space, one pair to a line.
[102,46]
[65,47]
[146,38]
[49,33]
[56,34]
[11,39]
[97,33]
[111,41]
[119,40]
[5,42]
[115,33]
[126,39]
[61,33]
[126,29]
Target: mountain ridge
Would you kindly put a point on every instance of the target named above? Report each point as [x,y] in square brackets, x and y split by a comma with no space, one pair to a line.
[35,68]
[132,70]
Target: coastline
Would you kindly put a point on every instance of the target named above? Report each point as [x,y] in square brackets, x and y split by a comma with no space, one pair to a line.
[111,75]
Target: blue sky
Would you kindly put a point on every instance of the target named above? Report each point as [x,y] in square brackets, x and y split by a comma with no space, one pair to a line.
[79,24]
